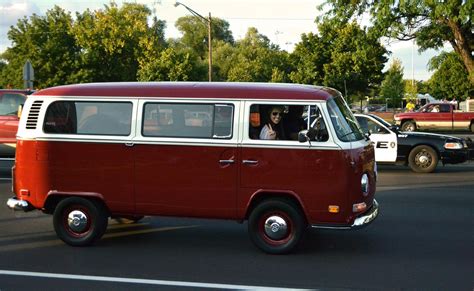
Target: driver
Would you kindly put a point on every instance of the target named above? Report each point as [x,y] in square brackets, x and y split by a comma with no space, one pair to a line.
[294,121]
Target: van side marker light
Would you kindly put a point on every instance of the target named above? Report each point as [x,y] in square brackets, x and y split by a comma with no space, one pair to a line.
[333,208]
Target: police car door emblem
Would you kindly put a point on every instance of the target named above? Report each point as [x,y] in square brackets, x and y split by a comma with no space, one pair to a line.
[382,145]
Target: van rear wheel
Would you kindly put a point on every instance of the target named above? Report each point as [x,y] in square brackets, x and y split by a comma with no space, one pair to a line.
[79,221]
[276,226]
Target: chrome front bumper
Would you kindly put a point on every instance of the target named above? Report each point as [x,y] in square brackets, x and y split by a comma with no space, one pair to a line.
[361,221]
[367,217]
[18,205]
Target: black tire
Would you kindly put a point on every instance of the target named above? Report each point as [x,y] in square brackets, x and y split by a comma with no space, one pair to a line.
[79,232]
[409,126]
[423,159]
[268,239]
[472,126]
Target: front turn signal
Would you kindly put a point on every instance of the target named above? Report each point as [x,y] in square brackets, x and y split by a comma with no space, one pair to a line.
[359,207]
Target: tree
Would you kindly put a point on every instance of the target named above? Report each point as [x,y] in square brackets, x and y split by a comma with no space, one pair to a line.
[411,90]
[257,60]
[224,58]
[48,42]
[450,78]
[195,33]
[392,88]
[308,59]
[171,65]
[432,23]
[342,56]
[3,66]
[114,41]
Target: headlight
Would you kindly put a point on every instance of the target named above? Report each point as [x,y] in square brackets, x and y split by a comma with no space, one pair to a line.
[364,183]
[396,118]
[453,145]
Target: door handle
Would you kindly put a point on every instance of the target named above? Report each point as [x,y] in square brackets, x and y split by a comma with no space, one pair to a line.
[226,161]
[250,162]
[129,144]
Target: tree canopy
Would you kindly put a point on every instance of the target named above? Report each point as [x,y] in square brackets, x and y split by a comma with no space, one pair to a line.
[195,33]
[450,78]
[392,88]
[431,23]
[343,56]
[48,42]
[126,43]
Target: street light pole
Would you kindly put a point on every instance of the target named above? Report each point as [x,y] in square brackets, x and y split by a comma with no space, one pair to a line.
[208,21]
[210,46]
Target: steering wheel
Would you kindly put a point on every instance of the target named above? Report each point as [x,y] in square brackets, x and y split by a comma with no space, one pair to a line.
[320,128]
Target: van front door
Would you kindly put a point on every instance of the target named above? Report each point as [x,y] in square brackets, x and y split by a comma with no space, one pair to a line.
[286,167]
[186,160]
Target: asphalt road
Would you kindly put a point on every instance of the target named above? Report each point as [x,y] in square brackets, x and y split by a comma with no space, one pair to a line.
[423,239]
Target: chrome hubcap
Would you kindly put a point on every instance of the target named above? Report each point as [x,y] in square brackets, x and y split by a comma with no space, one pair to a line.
[77,221]
[276,227]
[423,159]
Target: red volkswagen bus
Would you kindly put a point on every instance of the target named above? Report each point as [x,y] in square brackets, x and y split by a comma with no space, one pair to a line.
[89,152]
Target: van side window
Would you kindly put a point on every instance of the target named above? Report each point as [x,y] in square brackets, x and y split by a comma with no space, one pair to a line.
[94,118]
[188,120]
[286,121]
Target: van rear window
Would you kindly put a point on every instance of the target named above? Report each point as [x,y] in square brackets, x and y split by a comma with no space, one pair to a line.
[92,118]
[188,120]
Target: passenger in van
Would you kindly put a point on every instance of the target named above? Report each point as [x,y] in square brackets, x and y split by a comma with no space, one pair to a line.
[294,121]
[273,128]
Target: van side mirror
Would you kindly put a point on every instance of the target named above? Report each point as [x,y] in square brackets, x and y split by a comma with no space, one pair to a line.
[306,135]
[20,110]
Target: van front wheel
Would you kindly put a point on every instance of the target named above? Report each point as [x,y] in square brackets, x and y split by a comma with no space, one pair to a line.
[80,222]
[276,226]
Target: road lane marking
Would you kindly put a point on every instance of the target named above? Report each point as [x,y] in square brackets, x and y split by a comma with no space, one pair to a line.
[143,231]
[23,236]
[420,186]
[57,242]
[141,281]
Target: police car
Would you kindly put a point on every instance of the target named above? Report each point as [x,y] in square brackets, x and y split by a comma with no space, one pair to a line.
[419,150]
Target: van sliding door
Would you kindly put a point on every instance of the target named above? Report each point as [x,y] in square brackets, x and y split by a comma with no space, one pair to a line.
[185,157]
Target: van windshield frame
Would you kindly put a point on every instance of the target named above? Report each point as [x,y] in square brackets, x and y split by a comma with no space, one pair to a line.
[345,124]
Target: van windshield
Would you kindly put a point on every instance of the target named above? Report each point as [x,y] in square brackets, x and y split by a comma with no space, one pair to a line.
[345,124]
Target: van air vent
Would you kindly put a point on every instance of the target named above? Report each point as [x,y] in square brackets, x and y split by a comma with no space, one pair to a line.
[33,115]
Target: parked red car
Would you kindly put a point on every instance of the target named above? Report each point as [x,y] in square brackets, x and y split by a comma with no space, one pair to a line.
[436,116]
[10,102]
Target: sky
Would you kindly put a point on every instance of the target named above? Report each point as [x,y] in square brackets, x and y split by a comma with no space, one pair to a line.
[282,21]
